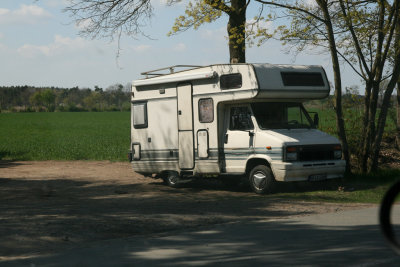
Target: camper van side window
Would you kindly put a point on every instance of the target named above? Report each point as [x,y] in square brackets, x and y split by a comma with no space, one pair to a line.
[240,119]
[231,81]
[139,115]
[206,110]
[302,79]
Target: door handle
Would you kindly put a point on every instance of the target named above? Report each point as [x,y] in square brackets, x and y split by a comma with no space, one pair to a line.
[179,112]
[226,139]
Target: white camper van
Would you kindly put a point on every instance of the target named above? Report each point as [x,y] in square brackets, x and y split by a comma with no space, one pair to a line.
[232,120]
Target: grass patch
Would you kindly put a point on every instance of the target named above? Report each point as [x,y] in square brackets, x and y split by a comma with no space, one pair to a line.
[353,120]
[65,136]
[355,188]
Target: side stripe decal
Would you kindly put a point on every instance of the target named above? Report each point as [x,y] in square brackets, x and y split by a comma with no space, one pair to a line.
[214,154]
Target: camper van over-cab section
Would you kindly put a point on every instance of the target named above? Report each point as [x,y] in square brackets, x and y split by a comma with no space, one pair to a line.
[232,120]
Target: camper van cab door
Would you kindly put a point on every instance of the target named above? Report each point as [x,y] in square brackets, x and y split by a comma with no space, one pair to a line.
[185,126]
[239,137]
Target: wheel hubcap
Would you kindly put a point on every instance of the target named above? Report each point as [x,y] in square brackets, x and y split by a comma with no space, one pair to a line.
[172,179]
[259,180]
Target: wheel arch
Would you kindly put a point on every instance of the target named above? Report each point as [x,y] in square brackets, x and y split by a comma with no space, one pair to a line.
[252,162]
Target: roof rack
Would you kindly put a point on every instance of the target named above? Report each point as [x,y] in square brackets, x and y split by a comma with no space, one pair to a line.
[171,70]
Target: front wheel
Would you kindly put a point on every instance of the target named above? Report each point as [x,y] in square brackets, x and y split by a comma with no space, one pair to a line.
[261,179]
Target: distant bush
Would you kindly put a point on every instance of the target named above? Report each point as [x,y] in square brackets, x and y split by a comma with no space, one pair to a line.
[126,106]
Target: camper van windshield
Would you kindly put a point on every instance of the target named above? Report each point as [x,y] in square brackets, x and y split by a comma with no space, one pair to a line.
[281,115]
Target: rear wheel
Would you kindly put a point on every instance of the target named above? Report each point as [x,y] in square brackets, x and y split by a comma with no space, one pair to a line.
[261,179]
[172,179]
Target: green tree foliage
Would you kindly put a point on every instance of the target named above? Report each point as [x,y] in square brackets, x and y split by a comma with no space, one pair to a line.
[15,96]
[36,99]
[43,100]
[207,11]
[94,101]
[116,96]
[48,97]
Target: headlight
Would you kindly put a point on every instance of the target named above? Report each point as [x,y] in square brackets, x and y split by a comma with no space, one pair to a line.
[337,152]
[291,153]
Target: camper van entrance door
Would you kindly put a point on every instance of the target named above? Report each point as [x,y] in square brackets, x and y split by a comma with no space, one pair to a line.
[185,126]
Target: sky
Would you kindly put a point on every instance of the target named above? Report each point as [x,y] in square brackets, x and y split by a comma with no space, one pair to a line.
[40,46]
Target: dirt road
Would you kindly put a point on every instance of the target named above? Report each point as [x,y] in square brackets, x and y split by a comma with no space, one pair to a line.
[51,205]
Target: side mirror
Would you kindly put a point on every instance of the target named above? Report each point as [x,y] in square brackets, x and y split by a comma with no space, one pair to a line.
[316,119]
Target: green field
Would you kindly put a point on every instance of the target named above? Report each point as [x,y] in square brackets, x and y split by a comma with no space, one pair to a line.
[65,136]
[97,135]
[106,136]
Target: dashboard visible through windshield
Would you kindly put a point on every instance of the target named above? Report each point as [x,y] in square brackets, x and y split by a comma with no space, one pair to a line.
[276,115]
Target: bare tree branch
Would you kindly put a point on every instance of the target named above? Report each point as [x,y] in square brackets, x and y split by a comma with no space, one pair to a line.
[290,7]
[108,18]
[355,38]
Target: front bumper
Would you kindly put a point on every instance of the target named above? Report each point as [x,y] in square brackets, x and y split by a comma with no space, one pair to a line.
[302,171]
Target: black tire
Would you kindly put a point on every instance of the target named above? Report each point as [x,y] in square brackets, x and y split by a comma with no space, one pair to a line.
[172,179]
[261,179]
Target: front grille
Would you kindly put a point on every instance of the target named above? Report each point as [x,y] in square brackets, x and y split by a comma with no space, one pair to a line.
[316,152]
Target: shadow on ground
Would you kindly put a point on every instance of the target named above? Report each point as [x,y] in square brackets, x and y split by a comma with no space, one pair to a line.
[45,216]
[282,243]
[198,185]
[8,163]
[41,215]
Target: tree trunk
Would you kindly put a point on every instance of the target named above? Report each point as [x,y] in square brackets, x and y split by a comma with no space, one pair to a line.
[398,98]
[236,32]
[338,85]
[370,131]
[398,117]
[386,98]
[382,121]
[366,137]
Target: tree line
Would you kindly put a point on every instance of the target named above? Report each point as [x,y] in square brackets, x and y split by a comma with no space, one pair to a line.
[49,99]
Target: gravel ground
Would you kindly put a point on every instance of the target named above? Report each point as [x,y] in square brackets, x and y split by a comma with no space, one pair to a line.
[47,206]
